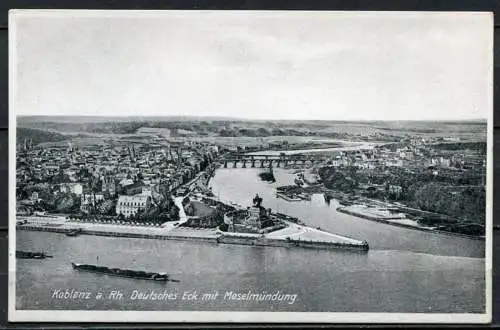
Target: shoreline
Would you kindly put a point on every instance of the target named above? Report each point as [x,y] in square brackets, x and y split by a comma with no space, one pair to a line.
[305,149]
[342,209]
[279,238]
[342,197]
[343,145]
[59,230]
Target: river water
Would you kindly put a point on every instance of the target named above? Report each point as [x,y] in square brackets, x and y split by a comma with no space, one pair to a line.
[404,271]
[346,146]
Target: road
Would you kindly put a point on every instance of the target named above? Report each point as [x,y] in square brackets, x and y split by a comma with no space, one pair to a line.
[182,214]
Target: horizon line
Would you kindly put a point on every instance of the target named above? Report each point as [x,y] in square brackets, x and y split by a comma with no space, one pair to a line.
[253,119]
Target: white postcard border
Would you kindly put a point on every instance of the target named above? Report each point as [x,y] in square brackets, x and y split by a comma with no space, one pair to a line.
[15,315]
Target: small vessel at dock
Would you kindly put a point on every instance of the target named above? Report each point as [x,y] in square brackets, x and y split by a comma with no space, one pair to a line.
[288,198]
[31,255]
[304,196]
[152,276]
[74,232]
[268,175]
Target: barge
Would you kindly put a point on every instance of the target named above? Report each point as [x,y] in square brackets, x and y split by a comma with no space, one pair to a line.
[151,276]
[31,255]
[74,232]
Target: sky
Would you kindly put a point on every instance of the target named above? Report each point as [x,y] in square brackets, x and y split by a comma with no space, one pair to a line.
[256,65]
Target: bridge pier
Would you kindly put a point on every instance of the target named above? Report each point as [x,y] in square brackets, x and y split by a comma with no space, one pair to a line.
[268,161]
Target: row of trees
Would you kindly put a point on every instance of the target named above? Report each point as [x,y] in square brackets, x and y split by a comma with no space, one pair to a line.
[164,210]
[467,203]
[37,135]
[62,203]
[478,146]
[261,132]
[337,177]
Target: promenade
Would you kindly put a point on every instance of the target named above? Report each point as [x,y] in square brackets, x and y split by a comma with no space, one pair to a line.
[298,234]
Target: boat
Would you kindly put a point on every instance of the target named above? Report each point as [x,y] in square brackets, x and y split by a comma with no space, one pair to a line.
[288,198]
[305,196]
[31,255]
[152,276]
[74,232]
[267,175]
[345,203]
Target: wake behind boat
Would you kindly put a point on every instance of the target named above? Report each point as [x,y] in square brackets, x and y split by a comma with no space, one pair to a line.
[152,276]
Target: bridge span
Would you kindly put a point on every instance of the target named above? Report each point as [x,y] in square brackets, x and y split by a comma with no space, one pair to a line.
[262,161]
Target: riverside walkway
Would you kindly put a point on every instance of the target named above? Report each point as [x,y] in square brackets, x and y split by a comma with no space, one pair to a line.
[297,232]
[169,230]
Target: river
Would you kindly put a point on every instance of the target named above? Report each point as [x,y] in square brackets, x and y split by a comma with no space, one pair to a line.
[404,271]
[344,146]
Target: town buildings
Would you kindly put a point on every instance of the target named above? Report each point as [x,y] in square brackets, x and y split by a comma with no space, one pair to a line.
[131,205]
[96,174]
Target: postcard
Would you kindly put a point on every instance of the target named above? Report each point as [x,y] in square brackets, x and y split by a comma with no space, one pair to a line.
[250,166]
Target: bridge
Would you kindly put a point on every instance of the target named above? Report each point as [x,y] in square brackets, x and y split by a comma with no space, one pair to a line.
[262,161]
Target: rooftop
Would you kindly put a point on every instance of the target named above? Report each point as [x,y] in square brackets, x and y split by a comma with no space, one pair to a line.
[134,199]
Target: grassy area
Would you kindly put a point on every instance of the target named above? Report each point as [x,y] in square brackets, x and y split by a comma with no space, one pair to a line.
[201,210]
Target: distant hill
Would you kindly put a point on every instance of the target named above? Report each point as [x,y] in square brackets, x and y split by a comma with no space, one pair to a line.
[106,119]
[233,127]
[37,135]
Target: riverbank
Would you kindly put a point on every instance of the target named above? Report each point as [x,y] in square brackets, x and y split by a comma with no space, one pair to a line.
[341,146]
[371,209]
[303,147]
[355,211]
[292,236]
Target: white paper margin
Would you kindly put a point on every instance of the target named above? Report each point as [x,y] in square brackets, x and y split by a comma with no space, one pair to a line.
[233,317]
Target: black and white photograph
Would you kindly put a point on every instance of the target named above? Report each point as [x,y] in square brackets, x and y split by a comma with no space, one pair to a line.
[250,166]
